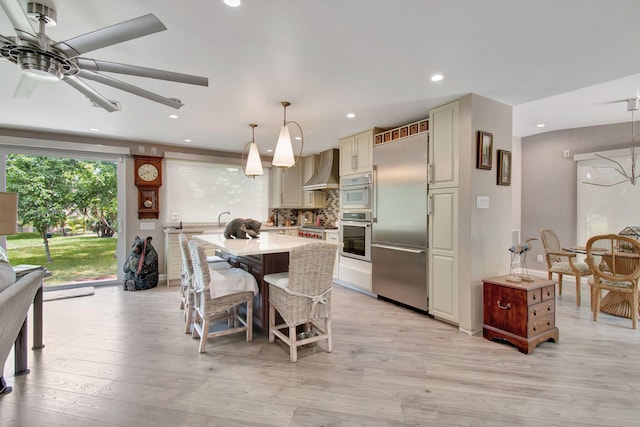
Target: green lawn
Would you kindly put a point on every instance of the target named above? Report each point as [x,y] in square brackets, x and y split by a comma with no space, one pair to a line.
[74,258]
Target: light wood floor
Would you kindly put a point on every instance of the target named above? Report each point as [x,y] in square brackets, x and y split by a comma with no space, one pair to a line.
[120,359]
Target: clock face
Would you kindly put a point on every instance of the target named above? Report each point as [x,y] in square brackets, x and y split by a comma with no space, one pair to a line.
[148,172]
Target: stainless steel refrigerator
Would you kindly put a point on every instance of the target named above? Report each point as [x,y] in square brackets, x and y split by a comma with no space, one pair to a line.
[399,229]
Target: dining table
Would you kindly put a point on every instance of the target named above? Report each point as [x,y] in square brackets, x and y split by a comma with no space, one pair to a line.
[614,303]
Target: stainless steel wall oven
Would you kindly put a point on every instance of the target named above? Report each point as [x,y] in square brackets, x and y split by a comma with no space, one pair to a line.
[355,234]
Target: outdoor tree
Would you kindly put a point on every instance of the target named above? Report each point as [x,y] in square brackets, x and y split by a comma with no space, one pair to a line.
[52,189]
[96,195]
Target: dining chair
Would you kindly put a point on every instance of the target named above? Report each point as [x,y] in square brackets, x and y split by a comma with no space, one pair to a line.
[219,291]
[302,296]
[562,262]
[615,262]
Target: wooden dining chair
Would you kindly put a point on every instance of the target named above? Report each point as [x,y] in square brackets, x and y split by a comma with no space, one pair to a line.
[302,296]
[615,263]
[562,262]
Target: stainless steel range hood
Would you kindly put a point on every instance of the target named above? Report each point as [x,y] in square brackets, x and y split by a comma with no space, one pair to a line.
[327,175]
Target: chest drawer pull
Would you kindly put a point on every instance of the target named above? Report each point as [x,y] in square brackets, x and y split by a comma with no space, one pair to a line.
[504,307]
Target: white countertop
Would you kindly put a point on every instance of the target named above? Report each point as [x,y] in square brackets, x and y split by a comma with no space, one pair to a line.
[266,243]
[214,229]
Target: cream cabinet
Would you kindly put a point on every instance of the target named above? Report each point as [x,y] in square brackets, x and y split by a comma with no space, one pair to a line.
[444,212]
[312,199]
[173,256]
[443,253]
[333,236]
[443,146]
[356,153]
[287,187]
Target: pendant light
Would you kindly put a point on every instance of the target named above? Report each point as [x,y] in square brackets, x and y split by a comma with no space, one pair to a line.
[283,154]
[253,167]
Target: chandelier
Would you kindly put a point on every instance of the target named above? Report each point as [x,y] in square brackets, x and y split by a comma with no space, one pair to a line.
[631,177]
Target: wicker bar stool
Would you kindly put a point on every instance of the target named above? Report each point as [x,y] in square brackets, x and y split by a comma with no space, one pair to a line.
[208,309]
[303,297]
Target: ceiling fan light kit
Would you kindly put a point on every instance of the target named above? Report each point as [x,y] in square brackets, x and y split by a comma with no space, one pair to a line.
[43,60]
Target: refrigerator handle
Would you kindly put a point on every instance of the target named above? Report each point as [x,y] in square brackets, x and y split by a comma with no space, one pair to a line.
[429,205]
[396,248]
[429,173]
[375,194]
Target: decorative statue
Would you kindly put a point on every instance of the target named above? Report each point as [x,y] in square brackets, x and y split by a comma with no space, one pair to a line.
[520,249]
[141,269]
[240,228]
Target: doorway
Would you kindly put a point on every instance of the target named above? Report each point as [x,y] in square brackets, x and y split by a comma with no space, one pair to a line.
[85,247]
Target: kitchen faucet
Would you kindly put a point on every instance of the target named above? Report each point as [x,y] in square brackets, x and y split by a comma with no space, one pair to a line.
[219,223]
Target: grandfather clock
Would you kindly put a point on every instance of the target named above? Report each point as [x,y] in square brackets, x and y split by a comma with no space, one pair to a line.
[148,172]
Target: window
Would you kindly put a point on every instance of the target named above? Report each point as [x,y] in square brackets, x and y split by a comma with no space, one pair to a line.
[199,191]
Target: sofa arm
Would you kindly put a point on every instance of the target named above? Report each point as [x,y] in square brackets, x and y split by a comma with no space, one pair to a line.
[14,306]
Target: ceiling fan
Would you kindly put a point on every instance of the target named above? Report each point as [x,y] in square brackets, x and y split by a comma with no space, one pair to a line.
[42,59]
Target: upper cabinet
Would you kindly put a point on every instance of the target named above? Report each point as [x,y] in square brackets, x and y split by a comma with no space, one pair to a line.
[287,187]
[316,198]
[443,146]
[356,153]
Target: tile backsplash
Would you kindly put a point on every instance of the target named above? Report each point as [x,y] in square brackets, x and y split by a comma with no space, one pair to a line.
[328,215]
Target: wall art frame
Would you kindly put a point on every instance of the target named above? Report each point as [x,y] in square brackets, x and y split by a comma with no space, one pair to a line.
[485,150]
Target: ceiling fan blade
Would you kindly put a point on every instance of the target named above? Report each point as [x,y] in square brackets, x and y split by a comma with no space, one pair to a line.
[134,70]
[81,86]
[19,19]
[108,36]
[25,87]
[118,84]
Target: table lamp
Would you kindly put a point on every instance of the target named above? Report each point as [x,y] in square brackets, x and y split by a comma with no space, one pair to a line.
[8,215]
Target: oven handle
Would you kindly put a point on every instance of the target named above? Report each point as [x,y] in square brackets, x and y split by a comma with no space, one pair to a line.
[396,248]
[356,224]
[353,187]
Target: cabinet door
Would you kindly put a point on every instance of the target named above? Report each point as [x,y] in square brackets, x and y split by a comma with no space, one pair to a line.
[443,146]
[363,146]
[443,254]
[346,155]
[291,187]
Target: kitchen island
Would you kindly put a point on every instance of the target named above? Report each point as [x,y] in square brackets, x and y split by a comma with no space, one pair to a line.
[269,253]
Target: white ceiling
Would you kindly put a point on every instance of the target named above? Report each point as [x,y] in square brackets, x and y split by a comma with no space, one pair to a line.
[561,63]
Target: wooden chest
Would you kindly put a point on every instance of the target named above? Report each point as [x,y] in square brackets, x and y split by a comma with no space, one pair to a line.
[522,314]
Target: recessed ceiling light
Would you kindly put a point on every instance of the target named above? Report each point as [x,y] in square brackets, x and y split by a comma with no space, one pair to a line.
[187,140]
[437,77]
[233,3]
[351,115]
[94,130]
[173,116]
[269,150]
[541,125]
[99,145]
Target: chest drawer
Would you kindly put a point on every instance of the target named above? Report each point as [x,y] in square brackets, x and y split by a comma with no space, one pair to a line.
[538,326]
[548,292]
[542,309]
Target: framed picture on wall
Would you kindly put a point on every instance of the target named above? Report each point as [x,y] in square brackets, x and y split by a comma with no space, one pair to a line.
[485,150]
[504,167]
